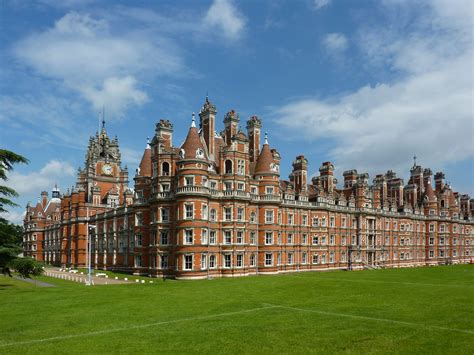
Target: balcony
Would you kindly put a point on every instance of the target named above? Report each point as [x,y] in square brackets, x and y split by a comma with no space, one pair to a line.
[164,195]
[192,190]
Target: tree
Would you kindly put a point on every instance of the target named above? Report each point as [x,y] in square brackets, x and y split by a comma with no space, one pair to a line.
[10,234]
[7,160]
[27,267]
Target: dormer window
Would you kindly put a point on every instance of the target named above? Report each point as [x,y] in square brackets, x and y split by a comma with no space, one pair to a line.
[200,153]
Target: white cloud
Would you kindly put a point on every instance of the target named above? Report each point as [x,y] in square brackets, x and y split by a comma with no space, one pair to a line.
[426,110]
[319,4]
[131,156]
[223,15]
[88,56]
[335,42]
[15,217]
[44,179]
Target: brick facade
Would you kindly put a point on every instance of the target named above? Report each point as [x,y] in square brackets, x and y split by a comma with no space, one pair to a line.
[216,207]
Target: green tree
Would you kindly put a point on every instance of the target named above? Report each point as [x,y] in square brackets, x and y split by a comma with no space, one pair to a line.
[7,160]
[27,267]
[10,234]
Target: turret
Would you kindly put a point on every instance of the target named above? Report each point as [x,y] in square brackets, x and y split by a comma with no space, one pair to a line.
[326,173]
[439,181]
[300,174]
[254,125]
[164,134]
[208,126]
[231,124]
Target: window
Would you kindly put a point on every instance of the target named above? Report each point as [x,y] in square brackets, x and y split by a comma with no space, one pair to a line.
[203,236]
[240,237]
[138,260]
[240,260]
[315,222]
[188,236]
[188,262]
[304,258]
[228,186]
[268,259]
[441,241]
[165,187]
[227,260]
[213,215]
[331,222]
[304,239]
[331,257]
[165,214]
[252,238]
[227,237]
[240,186]
[164,261]
[203,261]
[253,217]
[343,240]
[332,240]
[315,240]
[323,240]
[290,219]
[304,220]
[343,222]
[323,259]
[227,213]
[212,261]
[315,258]
[138,219]
[441,253]
[205,212]
[164,237]
[252,260]
[268,216]
[213,184]
[228,167]
[268,238]
[241,167]
[431,241]
[290,259]
[290,238]
[253,190]
[165,168]
[189,180]
[212,237]
[323,222]
[138,240]
[431,253]
[240,214]
[269,190]
[188,211]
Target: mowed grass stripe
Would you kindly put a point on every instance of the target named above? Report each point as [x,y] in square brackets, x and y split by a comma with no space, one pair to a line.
[355,316]
[138,326]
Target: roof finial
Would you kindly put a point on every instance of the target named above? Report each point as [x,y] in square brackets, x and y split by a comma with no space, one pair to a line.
[103,117]
[148,143]
[266,138]
[414,160]
[193,122]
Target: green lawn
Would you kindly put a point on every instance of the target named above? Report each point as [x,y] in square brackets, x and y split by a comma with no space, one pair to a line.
[424,310]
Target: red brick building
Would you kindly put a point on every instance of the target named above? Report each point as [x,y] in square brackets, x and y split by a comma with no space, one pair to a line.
[215,206]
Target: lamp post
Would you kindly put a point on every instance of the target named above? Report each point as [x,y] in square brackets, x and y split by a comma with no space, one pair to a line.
[90,231]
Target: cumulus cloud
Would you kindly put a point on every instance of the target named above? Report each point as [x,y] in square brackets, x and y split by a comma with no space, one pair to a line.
[43,179]
[335,42]
[15,217]
[86,55]
[224,15]
[319,4]
[426,110]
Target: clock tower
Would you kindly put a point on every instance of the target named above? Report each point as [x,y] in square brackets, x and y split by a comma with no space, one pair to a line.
[103,178]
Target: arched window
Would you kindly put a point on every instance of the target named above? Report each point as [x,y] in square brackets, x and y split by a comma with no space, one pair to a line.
[165,168]
[442,203]
[228,167]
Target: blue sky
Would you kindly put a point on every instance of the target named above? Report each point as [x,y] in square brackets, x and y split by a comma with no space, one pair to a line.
[364,84]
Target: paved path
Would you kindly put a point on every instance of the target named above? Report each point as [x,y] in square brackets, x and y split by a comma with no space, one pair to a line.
[36,282]
[69,276]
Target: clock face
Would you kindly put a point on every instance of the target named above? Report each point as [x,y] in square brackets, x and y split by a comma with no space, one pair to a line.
[107,169]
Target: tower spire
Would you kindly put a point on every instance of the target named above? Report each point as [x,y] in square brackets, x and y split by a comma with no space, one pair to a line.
[266,138]
[193,122]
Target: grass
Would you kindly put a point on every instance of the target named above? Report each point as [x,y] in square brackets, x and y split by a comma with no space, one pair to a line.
[423,310]
[120,275]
